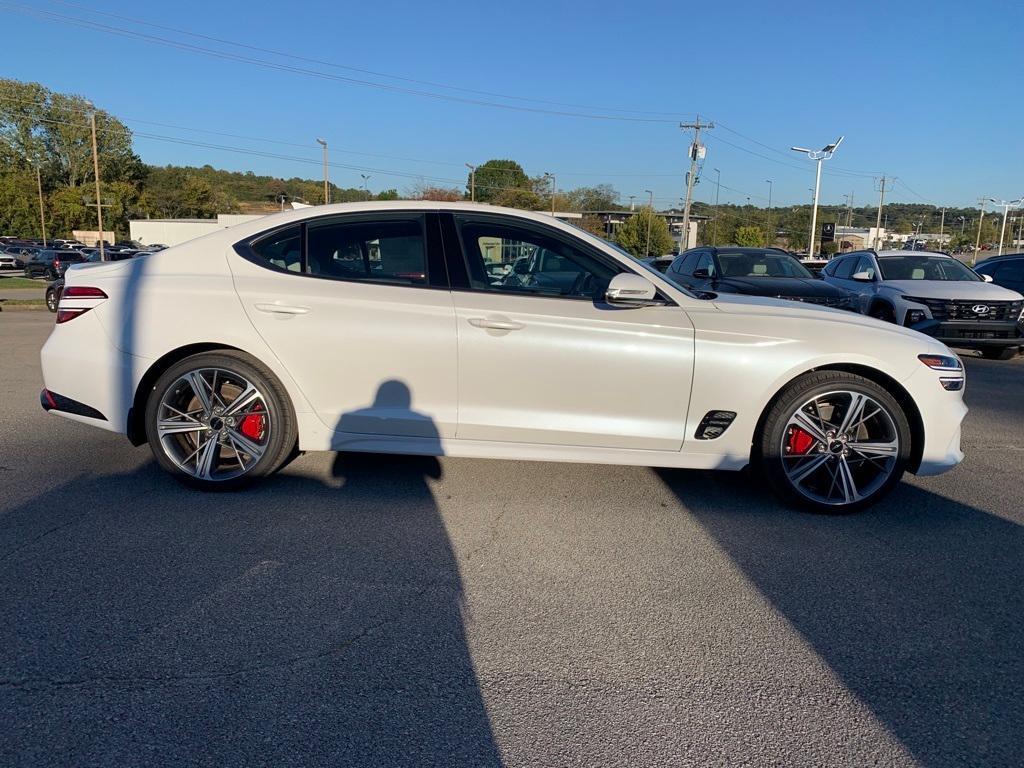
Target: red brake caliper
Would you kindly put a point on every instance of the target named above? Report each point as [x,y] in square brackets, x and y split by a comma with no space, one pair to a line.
[798,441]
[253,424]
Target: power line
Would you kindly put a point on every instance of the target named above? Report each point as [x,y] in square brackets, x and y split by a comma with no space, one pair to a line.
[121,32]
[335,65]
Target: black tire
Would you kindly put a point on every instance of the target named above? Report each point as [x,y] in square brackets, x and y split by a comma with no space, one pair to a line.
[883,312]
[769,451]
[1004,353]
[52,299]
[280,443]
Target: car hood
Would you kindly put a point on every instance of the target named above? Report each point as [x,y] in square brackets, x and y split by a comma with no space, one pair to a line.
[779,286]
[810,314]
[961,290]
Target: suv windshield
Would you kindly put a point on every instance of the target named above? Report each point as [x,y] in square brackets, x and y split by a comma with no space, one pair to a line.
[924,268]
[760,264]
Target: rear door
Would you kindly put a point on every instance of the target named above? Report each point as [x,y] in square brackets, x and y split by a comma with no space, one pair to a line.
[358,310]
[1010,274]
[547,361]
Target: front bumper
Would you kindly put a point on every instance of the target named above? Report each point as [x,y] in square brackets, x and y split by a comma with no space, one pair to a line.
[973,334]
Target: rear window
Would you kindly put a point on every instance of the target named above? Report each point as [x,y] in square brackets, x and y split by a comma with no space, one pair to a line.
[69,256]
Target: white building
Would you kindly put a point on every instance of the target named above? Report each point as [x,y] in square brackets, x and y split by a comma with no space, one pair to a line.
[177,231]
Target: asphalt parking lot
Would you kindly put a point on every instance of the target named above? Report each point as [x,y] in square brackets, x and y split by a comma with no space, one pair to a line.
[362,610]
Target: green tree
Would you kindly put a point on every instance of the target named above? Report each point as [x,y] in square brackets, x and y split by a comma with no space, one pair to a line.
[602,197]
[19,210]
[749,236]
[497,176]
[69,212]
[632,234]
[525,199]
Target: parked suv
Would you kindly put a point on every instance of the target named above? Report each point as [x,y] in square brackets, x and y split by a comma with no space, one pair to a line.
[935,294]
[51,264]
[755,272]
[1007,271]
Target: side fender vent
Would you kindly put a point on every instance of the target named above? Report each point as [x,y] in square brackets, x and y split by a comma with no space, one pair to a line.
[714,424]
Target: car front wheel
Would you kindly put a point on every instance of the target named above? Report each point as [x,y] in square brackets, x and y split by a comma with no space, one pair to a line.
[219,420]
[834,442]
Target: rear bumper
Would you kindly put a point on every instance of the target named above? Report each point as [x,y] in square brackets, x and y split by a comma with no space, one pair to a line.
[51,401]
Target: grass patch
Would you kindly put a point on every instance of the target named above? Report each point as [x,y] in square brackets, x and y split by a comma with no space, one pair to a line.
[21,282]
[22,302]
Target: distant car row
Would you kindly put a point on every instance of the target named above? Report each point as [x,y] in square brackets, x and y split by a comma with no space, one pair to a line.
[927,292]
[22,254]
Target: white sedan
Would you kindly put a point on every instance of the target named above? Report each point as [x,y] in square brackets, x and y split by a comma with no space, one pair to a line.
[385,327]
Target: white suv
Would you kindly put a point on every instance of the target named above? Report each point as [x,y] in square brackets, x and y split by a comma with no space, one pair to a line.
[935,294]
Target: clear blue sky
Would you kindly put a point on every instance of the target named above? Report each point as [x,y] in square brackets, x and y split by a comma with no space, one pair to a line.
[931,92]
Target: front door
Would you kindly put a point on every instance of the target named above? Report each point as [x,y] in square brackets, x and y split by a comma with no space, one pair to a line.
[542,359]
[358,310]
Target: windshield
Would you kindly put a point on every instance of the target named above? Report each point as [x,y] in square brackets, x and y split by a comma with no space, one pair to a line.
[760,264]
[924,268]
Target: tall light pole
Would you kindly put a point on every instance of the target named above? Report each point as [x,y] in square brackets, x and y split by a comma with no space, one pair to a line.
[718,188]
[1006,206]
[96,173]
[878,221]
[632,207]
[977,241]
[327,188]
[366,178]
[42,217]
[818,156]
[650,216]
[472,182]
[769,239]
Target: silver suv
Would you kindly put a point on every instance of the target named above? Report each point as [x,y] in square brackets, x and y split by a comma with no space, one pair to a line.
[935,294]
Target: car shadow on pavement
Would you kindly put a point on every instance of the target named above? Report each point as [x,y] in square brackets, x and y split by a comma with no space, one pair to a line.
[915,604]
[306,621]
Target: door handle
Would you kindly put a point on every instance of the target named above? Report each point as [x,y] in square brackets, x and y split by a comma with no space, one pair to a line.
[496,323]
[282,309]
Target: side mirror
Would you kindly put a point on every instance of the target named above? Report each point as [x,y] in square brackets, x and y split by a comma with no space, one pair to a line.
[863,277]
[629,290]
[702,274]
[986,278]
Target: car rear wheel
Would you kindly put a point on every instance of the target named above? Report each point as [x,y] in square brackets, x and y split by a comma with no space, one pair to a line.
[1006,353]
[834,442]
[218,420]
[52,299]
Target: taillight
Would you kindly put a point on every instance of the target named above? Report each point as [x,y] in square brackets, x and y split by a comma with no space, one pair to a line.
[83,292]
[63,315]
[56,264]
[77,292]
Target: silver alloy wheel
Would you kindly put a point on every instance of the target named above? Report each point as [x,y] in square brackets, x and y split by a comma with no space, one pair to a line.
[213,424]
[840,447]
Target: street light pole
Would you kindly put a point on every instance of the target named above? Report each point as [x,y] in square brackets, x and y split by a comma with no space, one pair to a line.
[327,188]
[632,207]
[818,156]
[977,241]
[472,182]
[553,190]
[769,239]
[42,217]
[650,217]
[96,173]
[366,178]
[1006,206]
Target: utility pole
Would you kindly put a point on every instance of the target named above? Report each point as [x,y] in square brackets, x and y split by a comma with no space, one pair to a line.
[849,212]
[327,188]
[650,216]
[42,217]
[472,182]
[697,152]
[718,188]
[769,236]
[366,178]
[96,173]
[553,190]
[942,223]
[818,156]
[878,221]
[977,241]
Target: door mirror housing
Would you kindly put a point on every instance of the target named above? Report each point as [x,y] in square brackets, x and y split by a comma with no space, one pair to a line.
[863,277]
[629,290]
[987,278]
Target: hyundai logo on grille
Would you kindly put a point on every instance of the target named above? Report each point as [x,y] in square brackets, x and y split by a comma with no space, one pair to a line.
[980,309]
